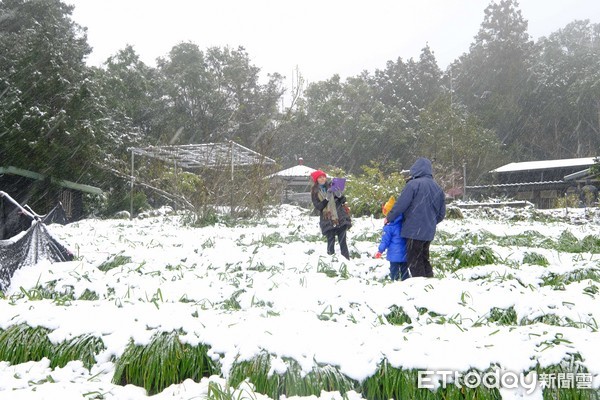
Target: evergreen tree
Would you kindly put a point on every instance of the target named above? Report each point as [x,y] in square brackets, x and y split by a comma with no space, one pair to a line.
[50,116]
[493,78]
[564,108]
[451,136]
[214,96]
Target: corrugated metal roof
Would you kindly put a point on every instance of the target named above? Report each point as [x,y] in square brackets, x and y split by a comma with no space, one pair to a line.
[501,185]
[547,164]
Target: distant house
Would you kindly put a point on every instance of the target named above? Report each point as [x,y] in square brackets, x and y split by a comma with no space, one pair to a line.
[42,194]
[294,183]
[539,182]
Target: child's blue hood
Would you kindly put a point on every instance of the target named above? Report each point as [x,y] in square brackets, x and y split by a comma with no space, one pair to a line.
[397,221]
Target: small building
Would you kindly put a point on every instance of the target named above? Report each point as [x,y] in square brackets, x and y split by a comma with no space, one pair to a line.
[295,183]
[539,182]
[42,194]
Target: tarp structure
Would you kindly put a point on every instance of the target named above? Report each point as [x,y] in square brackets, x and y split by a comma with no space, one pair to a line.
[206,155]
[33,245]
[227,155]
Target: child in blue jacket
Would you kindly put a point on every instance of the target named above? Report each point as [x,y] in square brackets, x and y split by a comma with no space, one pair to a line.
[394,244]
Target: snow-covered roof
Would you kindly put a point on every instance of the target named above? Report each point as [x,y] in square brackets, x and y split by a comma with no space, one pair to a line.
[295,171]
[547,164]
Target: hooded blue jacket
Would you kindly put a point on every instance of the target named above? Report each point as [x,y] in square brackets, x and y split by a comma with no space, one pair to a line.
[393,242]
[422,202]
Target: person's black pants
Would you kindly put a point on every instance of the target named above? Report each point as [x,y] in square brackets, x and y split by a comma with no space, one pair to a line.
[340,232]
[417,255]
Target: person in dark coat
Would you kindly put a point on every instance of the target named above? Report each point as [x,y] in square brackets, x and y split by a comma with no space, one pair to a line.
[333,217]
[423,204]
[395,244]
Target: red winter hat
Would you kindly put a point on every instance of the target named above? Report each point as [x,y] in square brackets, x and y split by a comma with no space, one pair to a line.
[315,175]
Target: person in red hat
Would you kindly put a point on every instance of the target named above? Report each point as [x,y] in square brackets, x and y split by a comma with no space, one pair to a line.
[333,216]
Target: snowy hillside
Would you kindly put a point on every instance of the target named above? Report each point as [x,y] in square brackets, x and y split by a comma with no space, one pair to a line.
[151,302]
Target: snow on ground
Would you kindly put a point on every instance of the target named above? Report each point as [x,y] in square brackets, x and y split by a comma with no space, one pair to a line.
[269,286]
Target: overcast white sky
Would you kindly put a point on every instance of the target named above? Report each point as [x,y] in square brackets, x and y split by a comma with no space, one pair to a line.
[320,37]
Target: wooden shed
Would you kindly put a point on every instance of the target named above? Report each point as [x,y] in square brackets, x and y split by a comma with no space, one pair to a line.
[294,183]
[539,182]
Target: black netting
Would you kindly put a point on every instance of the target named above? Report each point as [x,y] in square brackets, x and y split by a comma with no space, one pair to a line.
[57,215]
[35,245]
[12,219]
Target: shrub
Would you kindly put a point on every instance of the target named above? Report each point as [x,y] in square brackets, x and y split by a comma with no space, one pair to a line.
[368,191]
[454,213]
[121,200]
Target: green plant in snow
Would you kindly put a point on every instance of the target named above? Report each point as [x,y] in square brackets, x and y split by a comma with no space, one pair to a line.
[503,316]
[559,281]
[88,295]
[591,290]
[573,364]
[568,243]
[47,291]
[464,257]
[591,244]
[22,343]
[535,259]
[271,240]
[525,239]
[116,261]
[548,319]
[232,302]
[163,362]
[368,236]
[583,275]
[84,348]
[397,316]
[469,238]
[344,273]
[324,268]
[395,383]
[217,392]
[292,382]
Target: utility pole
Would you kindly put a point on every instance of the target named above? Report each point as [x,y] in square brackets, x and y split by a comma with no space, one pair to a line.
[464,180]
[132,179]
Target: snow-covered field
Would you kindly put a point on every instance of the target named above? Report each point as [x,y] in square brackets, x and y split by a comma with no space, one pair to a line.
[268,288]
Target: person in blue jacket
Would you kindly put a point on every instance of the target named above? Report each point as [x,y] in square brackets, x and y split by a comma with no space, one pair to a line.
[395,244]
[422,203]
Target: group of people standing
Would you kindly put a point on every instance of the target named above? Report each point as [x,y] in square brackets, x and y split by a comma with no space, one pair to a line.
[409,225]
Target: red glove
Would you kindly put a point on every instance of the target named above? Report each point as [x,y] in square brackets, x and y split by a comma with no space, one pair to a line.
[378,254]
